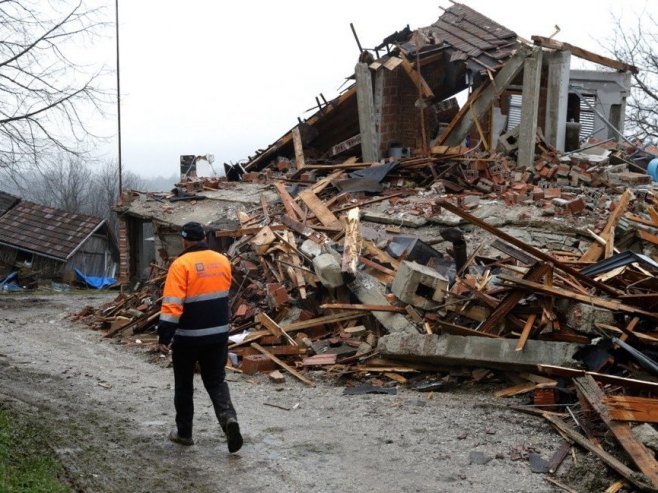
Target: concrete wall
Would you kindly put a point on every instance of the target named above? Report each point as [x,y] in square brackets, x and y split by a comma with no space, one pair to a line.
[611,90]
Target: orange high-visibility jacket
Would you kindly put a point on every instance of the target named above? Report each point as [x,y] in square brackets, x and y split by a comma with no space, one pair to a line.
[195,308]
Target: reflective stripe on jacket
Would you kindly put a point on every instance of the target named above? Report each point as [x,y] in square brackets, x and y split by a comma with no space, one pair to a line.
[195,308]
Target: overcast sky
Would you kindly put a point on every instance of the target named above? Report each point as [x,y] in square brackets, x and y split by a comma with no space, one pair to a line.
[227,78]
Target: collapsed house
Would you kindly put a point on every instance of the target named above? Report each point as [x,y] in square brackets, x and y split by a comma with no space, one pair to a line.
[404,100]
[43,242]
[394,233]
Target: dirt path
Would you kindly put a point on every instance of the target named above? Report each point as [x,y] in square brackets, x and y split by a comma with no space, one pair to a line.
[110,410]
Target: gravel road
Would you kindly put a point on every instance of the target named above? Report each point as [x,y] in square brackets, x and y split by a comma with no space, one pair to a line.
[109,410]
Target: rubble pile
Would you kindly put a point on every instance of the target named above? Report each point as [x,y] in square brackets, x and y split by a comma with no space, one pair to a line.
[324,281]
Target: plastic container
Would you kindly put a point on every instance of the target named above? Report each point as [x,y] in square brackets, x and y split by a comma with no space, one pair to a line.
[652,169]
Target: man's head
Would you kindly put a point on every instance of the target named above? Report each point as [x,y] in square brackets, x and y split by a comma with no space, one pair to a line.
[192,233]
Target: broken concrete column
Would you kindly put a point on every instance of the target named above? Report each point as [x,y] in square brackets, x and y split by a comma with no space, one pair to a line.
[557,96]
[529,108]
[419,285]
[369,291]
[584,317]
[327,268]
[366,108]
[447,349]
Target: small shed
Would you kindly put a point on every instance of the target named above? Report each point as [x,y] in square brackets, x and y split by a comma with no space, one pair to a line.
[53,242]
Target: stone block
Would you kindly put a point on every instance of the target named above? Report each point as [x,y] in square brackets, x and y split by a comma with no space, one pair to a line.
[419,285]
[255,363]
[327,268]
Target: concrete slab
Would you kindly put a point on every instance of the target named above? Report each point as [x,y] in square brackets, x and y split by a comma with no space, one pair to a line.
[447,349]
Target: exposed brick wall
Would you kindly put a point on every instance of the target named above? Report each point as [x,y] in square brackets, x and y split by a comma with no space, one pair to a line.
[400,119]
[390,109]
[124,253]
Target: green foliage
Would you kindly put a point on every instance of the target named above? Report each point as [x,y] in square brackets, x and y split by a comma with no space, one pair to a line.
[27,464]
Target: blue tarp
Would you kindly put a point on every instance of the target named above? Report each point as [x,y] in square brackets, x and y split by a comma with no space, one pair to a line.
[95,282]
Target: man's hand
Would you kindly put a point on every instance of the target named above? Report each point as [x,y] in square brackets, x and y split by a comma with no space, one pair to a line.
[164,348]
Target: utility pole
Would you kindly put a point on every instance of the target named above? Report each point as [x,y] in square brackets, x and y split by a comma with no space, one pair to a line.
[118,100]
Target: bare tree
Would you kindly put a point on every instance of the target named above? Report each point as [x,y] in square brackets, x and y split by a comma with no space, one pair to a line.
[64,182]
[639,46]
[44,90]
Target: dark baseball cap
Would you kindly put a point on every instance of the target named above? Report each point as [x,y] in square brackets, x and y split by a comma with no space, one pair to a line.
[193,232]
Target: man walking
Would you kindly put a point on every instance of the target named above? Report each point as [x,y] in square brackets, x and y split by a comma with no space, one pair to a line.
[195,314]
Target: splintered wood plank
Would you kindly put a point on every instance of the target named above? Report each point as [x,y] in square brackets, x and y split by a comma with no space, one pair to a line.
[380,255]
[292,209]
[321,211]
[351,245]
[283,365]
[596,250]
[646,236]
[299,149]
[626,408]
[526,332]
[642,457]
[273,327]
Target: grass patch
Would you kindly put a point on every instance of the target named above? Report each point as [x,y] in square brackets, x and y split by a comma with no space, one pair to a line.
[27,463]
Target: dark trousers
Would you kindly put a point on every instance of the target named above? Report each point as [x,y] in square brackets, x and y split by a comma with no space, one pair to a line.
[212,360]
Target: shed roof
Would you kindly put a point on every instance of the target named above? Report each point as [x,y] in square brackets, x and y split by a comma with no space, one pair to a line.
[46,231]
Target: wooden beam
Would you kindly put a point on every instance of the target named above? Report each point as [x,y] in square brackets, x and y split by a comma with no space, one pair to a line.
[292,209]
[592,300]
[633,477]
[283,365]
[321,211]
[295,326]
[584,54]
[299,149]
[454,135]
[596,250]
[367,308]
[644,459]
[416,77]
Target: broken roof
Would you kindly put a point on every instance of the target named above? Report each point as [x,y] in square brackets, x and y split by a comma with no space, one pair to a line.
[471,36]
[7,201]
[45,231]
[464,34]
